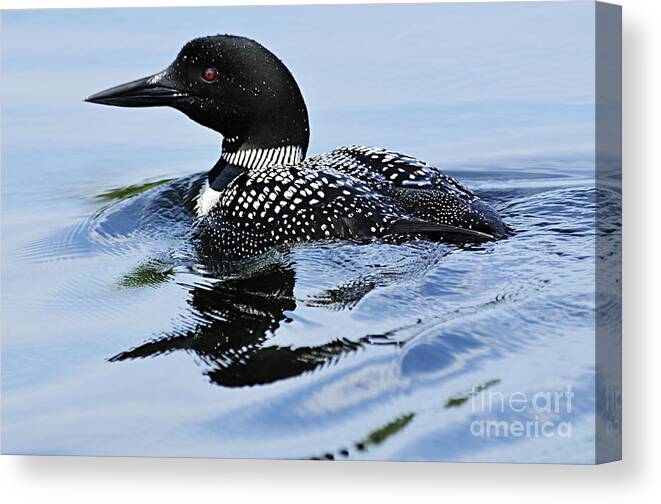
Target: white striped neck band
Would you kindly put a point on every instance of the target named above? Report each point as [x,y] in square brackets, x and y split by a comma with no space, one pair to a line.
[259,158]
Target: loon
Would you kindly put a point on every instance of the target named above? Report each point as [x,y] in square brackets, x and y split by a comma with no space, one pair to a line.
[263,192]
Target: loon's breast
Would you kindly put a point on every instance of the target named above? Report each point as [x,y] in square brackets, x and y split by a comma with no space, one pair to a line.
[207,199]
[350,193]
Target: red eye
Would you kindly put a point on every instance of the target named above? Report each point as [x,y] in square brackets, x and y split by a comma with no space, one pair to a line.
[210,74]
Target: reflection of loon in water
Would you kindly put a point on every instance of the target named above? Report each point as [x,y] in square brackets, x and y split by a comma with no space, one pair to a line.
[235,319]
[235,312]
[263,193]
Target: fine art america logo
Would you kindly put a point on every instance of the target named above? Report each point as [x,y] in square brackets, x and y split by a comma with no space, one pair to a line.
[533,415]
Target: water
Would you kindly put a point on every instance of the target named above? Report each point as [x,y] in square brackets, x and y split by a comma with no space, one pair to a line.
[118,341]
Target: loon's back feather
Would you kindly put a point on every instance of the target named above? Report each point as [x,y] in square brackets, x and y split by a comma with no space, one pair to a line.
[417,187]
[380,167]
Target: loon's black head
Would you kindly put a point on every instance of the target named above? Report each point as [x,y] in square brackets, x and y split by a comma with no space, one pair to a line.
[230,84]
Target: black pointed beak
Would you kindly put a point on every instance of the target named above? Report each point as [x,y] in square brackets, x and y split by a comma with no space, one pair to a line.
[154,91]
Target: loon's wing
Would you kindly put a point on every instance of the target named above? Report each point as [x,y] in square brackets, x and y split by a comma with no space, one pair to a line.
[384,169]
[418,188]
[416,226]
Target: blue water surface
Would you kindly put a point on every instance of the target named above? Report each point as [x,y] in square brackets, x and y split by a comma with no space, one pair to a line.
[117,341]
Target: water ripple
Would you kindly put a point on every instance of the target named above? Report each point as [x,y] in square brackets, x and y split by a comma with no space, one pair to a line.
[336,335]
